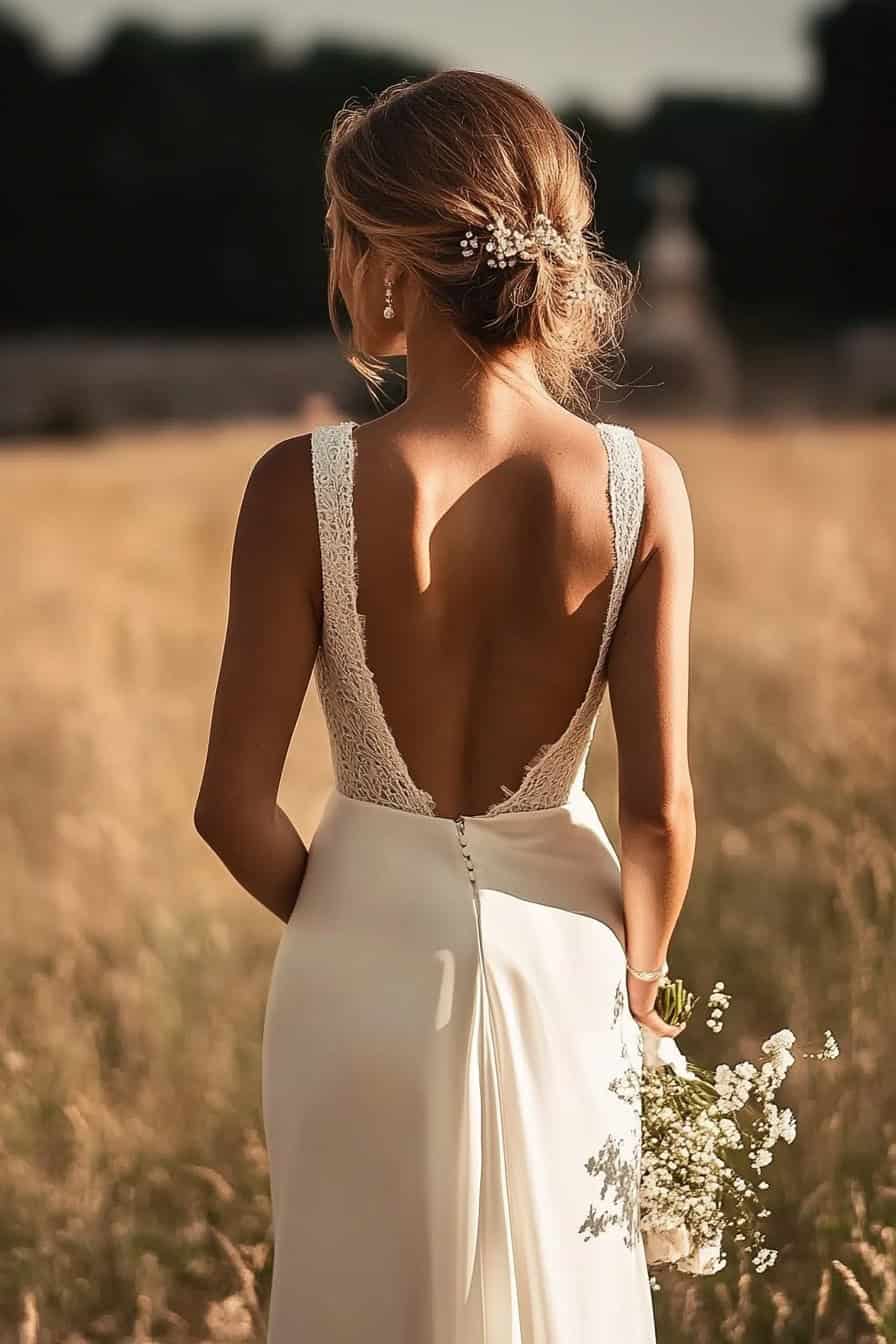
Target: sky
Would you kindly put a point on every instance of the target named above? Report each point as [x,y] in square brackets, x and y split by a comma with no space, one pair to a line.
[614,54]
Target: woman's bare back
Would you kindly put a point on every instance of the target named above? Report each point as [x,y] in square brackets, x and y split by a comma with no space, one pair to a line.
[485,567]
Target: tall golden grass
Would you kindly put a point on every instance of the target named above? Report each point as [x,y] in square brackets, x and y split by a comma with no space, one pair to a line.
[134,1200]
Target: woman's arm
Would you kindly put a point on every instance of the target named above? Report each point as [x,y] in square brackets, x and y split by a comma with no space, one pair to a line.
[273,631]
[648,670]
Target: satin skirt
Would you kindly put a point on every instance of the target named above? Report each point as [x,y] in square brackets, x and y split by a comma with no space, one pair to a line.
[447,1042]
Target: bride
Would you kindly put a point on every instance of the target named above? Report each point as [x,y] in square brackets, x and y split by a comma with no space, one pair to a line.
[453,1024]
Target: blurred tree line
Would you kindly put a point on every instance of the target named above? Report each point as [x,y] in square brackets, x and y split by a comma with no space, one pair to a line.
[174,182]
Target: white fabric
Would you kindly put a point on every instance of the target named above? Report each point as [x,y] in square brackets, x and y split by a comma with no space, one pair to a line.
[447,1038]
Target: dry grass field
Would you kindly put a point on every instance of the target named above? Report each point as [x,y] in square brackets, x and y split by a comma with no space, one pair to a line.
[134,1201]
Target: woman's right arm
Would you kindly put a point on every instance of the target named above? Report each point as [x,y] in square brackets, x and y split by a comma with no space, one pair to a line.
[648,670]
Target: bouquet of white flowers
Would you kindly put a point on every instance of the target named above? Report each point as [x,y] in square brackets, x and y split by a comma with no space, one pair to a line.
[703,1135]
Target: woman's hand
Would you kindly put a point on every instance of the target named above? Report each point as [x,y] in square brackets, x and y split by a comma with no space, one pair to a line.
[641,1000]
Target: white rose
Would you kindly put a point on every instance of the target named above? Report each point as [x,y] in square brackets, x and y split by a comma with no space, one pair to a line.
[668,1246]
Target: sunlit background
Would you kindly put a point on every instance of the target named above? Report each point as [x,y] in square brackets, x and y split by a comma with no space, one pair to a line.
[163,323]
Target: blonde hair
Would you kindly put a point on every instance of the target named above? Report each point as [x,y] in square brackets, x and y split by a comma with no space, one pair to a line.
[429,159]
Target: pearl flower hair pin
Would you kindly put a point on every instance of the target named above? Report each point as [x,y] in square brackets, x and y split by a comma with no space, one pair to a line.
[510,246]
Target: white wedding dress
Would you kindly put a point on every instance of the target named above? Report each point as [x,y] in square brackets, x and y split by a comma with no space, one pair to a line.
[447,1037]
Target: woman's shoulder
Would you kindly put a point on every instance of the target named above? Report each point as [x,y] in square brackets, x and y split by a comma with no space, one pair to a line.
[660,465]
[279,502]
[666,517]
[664,481]
[284,471]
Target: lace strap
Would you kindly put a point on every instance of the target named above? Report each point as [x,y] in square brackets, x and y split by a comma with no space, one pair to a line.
[367,761]
[625,494]
[331,450]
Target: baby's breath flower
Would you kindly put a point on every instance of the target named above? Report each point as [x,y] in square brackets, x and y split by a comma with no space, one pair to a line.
[717,1002]
[787,1125]
[830,1049]
[782,1040]
[704,1132]
[764,1258]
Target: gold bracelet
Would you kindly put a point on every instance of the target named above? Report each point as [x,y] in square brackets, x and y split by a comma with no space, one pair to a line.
[648,975]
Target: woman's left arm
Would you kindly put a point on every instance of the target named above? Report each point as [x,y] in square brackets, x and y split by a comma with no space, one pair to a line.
[271,641]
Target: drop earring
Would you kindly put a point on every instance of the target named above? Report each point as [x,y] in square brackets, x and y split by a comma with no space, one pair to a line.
[388,311]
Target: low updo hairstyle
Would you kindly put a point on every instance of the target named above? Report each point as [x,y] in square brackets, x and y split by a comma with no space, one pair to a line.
[429,159]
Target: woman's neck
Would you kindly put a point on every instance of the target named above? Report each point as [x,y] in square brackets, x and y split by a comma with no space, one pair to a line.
[445,375]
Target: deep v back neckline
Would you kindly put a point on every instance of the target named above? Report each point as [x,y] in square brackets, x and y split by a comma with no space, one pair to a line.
[357,712]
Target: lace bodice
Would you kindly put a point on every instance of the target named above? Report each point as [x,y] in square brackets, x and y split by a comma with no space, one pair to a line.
[366,759]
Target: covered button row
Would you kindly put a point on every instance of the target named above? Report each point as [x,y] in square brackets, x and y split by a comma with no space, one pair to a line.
[468,860]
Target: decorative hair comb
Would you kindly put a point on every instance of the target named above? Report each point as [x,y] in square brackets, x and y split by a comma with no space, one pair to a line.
[514,245]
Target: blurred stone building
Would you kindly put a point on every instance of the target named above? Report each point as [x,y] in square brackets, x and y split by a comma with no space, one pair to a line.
[684,359]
